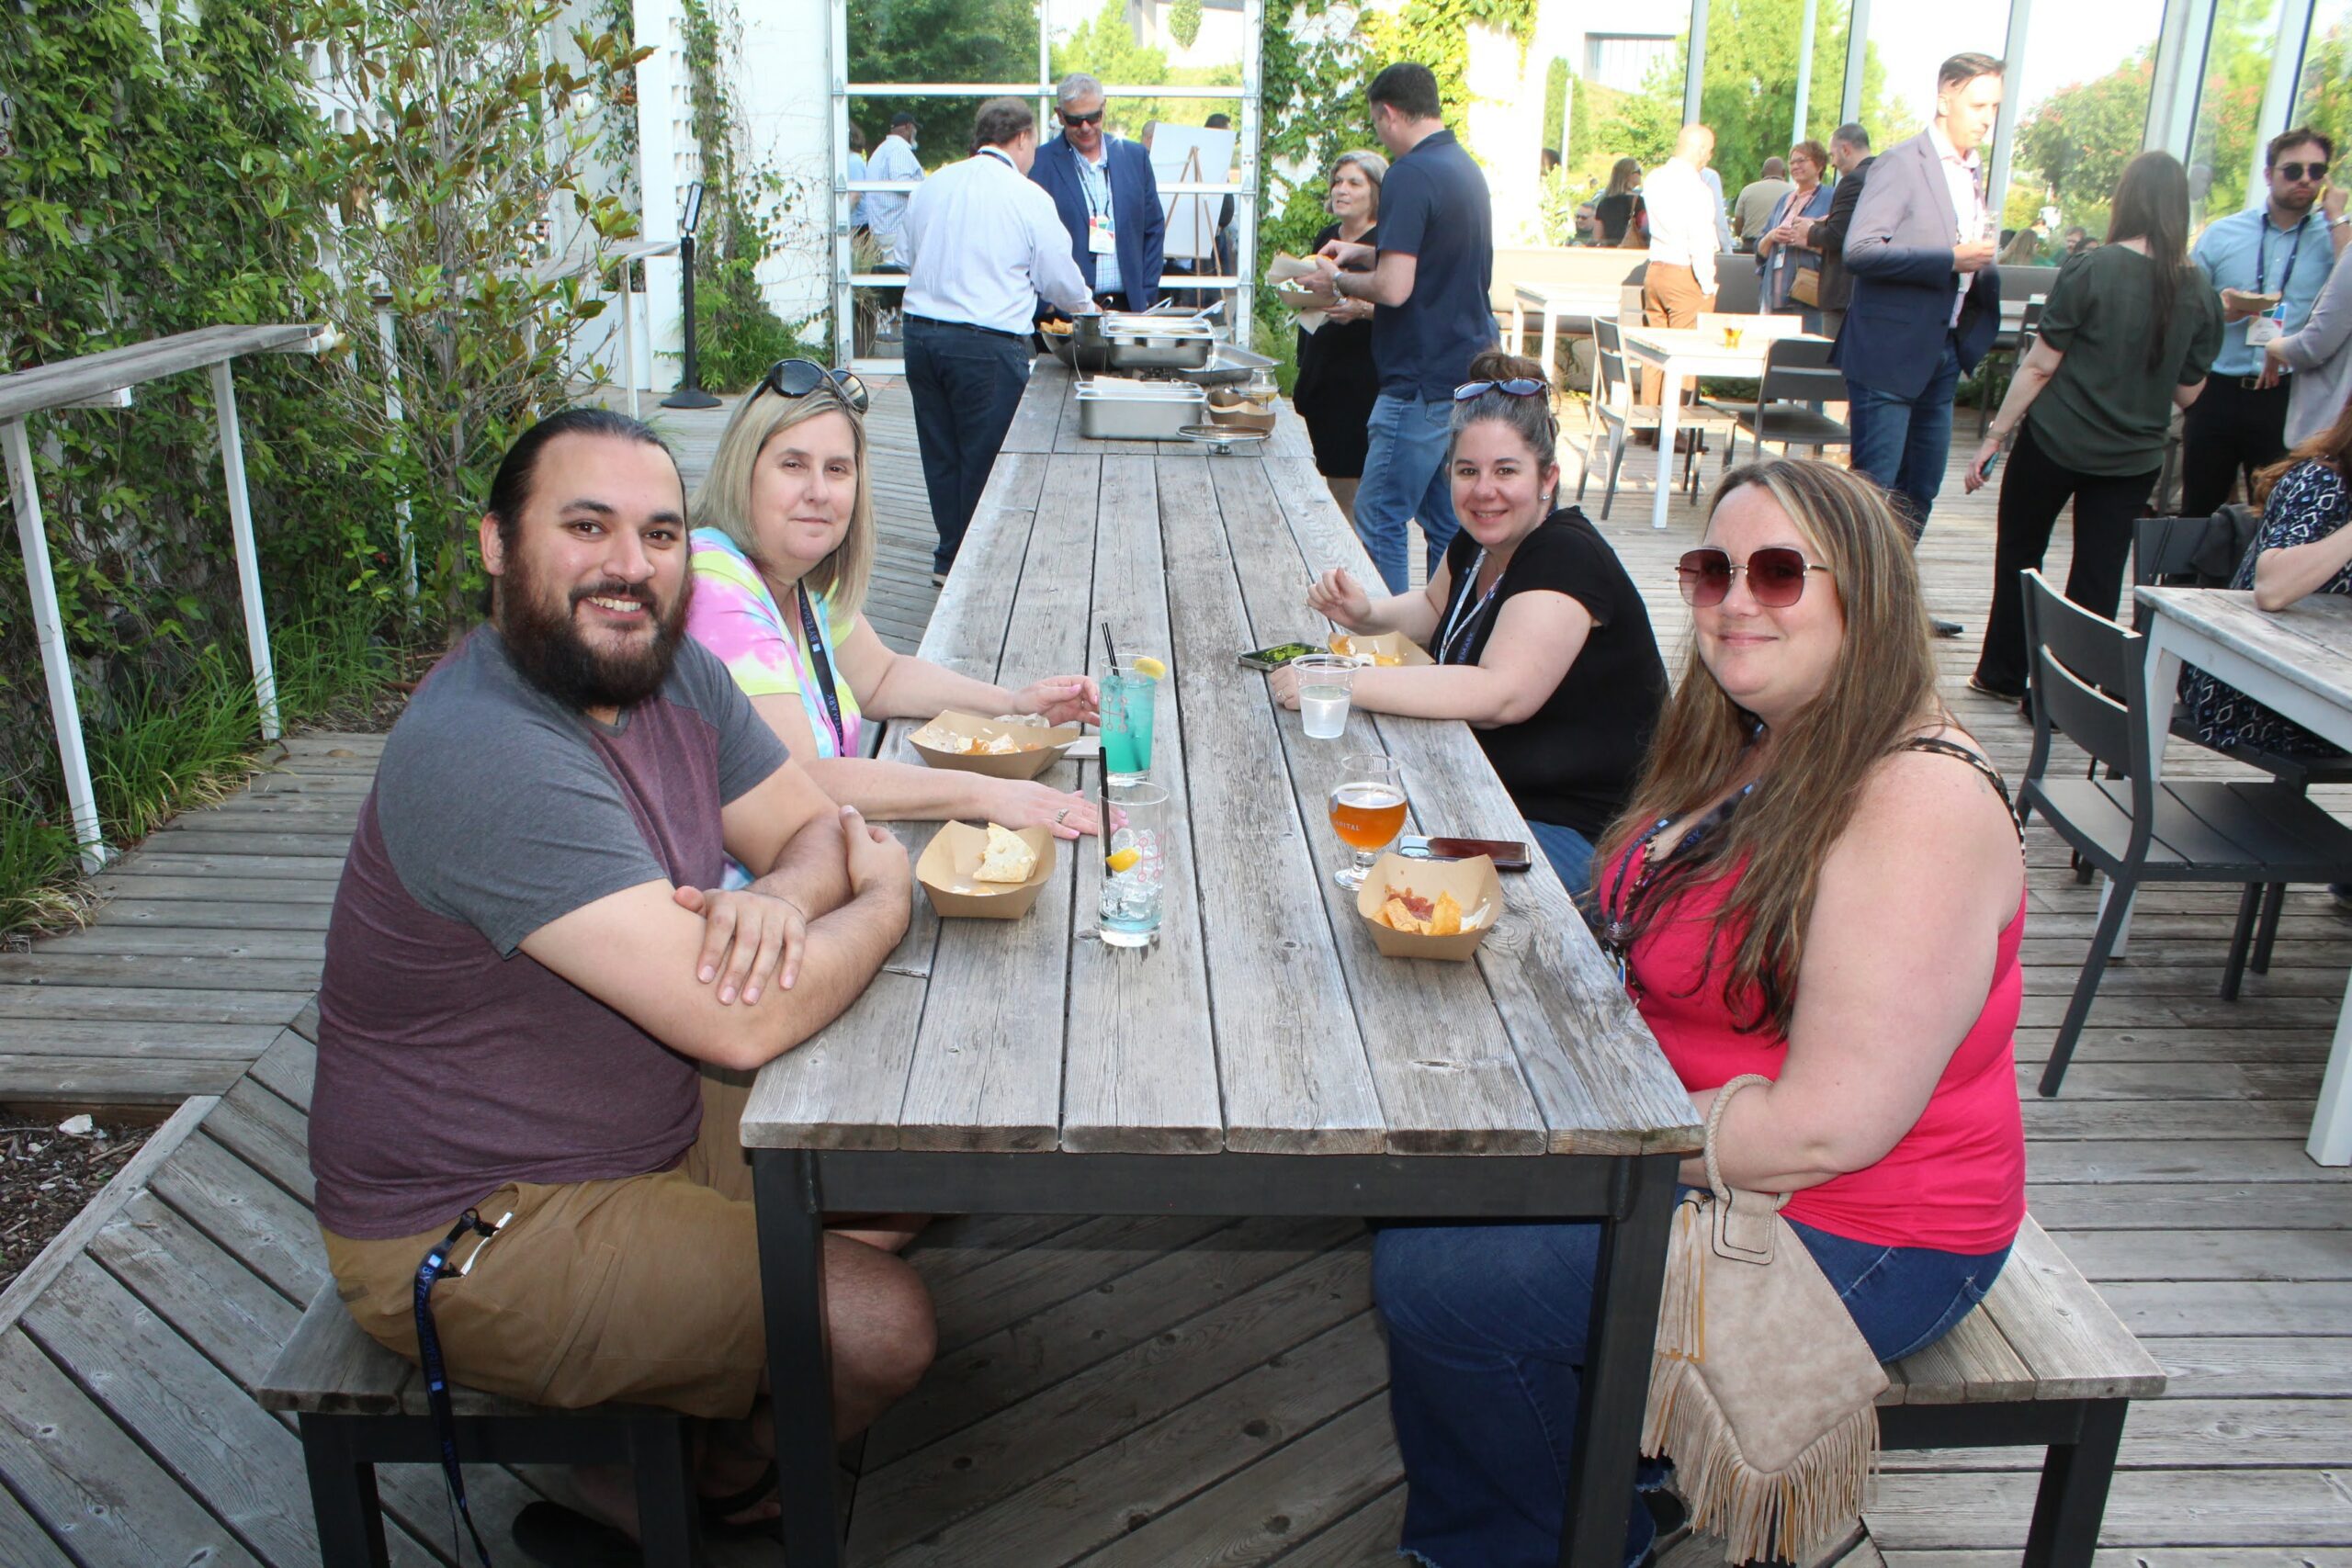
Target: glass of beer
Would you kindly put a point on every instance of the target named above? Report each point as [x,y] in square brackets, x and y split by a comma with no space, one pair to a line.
[1367,812]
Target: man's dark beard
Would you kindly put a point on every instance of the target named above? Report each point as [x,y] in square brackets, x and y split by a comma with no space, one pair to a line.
[544,642]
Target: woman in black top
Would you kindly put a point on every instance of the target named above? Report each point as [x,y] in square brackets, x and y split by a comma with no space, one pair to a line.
[1337,380]
[1614,211]
[1541,641]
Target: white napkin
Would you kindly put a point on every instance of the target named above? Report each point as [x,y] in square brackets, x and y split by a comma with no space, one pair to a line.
[1285,265]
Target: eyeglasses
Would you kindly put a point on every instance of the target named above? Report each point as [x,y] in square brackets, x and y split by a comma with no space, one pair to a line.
[1069,119]
[2303,171]
[1776,576]
[1516,387]
[799,377]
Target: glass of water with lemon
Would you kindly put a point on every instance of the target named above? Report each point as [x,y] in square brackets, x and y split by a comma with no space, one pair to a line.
[1134,835]
[1130,702]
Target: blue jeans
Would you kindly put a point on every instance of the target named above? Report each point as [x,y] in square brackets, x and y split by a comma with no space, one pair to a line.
[1570,853]
[964,383]
[1405,477]
[1903,442]
[1485,1339]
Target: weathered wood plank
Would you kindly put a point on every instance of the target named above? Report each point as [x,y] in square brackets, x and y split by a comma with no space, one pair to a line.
[847,1084]
[150,1004]
[144,1081]
[40,968]
[129,940]
[133,1037]
[2060,1328]
[1365,1539]
[2158,1507]
[236,1318]
[23,1543]
[2106,1258]
[266,1133]
[225,1198]
[287,1068]
[188,914]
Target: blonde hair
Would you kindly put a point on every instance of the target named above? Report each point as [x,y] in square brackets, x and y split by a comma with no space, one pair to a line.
[1880,690]
[723,500]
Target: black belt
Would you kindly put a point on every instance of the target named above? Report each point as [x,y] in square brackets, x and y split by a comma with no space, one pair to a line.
[968,327]
[2253,383]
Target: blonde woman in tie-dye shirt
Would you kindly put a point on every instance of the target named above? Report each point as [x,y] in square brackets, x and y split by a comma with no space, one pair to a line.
[783,549]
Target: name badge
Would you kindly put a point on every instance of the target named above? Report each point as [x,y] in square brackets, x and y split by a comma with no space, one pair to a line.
[2260,330]
[1102,237]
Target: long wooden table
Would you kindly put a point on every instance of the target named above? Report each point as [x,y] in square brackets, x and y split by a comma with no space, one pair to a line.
[2298,661]
[1262,1058]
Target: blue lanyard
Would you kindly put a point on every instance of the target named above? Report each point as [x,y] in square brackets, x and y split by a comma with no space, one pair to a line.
[437,1374]
[1092,180]
[2261,246]
[1458,623]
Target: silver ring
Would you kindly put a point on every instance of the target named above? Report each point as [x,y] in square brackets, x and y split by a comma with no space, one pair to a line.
[1060,814]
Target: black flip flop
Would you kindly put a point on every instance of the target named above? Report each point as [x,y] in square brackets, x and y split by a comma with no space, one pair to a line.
[717,1521]
[565,1538]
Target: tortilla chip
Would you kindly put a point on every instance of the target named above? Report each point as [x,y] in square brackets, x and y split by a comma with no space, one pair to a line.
[1446,919]
[1397,918]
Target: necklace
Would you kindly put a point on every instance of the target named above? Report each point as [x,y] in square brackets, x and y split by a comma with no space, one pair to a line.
[1617,928]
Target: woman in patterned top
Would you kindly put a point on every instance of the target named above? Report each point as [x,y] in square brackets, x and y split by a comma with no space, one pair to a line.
[783,546]
[2304,548]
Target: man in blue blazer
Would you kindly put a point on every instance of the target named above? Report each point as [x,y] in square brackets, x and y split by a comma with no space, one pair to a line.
[1927,299]
[1107,197]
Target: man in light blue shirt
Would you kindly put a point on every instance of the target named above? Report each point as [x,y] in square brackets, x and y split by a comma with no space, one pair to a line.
[2268,262]
[886,212]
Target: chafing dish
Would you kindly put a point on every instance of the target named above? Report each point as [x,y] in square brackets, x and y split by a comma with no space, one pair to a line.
[1111,410]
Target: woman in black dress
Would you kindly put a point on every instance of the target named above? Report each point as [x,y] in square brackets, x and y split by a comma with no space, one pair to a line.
[1336,382]
[1620,204]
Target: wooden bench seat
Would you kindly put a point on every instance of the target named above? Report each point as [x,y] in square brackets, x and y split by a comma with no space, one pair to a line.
[2042,1363]
[361,1405]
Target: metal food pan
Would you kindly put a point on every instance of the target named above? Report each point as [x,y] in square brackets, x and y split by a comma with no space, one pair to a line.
[1131,413]
[1160,350]
[1230,367]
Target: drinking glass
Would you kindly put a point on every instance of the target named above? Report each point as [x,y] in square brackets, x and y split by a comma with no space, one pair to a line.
[1130,699]
[1324,682]
[1367,812]
[1134,835]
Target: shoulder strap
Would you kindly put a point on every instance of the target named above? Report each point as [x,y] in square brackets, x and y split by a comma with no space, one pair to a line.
[1943,748]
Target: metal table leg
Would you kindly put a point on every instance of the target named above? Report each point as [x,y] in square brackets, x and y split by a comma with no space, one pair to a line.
[792,1289]
[1615,1385]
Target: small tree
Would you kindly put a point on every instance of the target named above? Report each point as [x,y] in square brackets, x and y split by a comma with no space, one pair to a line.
[460,133]
[1185,22]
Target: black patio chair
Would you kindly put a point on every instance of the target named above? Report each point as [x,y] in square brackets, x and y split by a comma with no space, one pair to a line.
[1797,373]
[2250,833]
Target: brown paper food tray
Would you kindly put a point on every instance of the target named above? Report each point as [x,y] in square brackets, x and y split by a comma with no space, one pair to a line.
[1234,414]
[1474,884]
[946,869]
[1394,644]
[1013,766]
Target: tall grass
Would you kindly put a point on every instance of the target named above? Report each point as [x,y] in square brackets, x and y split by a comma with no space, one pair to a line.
[183,736]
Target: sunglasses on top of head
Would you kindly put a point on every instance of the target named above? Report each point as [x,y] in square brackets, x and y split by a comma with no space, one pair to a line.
[799,377]
[2303,171]
[1776,576]
[1516,387]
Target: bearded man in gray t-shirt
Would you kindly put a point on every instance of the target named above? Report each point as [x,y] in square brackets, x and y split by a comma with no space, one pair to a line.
[531,971]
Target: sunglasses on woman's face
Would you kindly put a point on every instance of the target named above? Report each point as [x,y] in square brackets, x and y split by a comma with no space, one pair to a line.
[1776,576]
[799,377]
[1516,387]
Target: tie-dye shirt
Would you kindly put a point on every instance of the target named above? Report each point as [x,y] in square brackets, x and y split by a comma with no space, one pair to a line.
[735,614]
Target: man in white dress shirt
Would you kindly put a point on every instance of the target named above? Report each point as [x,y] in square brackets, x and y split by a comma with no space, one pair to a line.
[982,245]
[886,211]
[1680,279]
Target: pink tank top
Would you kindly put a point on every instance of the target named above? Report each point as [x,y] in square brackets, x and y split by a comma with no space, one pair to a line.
[1955,1181]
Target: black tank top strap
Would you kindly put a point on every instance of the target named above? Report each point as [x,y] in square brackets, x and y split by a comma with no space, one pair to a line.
[1943,748]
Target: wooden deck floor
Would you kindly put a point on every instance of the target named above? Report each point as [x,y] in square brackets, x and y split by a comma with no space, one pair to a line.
[1155,1391]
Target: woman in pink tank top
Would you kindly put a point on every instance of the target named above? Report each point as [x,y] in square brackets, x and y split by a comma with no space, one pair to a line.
[1818,880]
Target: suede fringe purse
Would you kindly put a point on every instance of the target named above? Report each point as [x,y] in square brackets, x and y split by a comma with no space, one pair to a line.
[1761,1387]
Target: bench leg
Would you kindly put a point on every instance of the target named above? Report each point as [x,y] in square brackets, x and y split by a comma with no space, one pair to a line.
[342,1496]
[801,1364]
[2073,1500]
[668,1518]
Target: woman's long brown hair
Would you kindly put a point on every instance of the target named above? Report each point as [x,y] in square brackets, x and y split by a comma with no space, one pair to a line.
[1881,688]
[2331,446]
[2152,206]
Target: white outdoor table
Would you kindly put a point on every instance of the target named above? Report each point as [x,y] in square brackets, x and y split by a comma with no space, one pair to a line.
[1681,353]
[1551,303]
[2297,661]
[1262,1058]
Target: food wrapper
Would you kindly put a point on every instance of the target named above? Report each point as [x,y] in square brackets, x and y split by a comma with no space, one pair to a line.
[1286,266]
[1387,648]
[1472,888]
[1019,750]
[947,863]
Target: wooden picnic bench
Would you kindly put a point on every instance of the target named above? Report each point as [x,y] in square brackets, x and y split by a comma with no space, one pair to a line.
[360,1406]
[2042,1363]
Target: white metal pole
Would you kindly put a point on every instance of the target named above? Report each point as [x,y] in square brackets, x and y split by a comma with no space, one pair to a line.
[49,630]
[1694,68]
[1805,69]
[2004,126]
[387,337]
[241,528]
[628,340]
[837,229]
[1253,120]
[2179,72]
[1849,96]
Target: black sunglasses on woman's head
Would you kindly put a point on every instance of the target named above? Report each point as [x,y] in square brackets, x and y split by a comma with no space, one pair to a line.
[799,377]
[1776,576]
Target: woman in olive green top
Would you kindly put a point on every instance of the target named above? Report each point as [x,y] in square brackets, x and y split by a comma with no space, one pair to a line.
[2126,336]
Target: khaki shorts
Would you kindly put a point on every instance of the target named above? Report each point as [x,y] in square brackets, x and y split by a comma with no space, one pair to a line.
[645,1289]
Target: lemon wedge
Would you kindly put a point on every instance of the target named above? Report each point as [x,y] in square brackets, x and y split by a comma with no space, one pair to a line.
[1145,664]
[1124,860]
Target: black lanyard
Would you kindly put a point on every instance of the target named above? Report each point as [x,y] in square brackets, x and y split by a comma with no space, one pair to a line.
[2261,258]
[437,1374]
[823,670]
[1102,180]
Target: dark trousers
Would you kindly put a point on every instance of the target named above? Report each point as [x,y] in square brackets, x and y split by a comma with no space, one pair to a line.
[2033,491]
[1902,443]
[2228,429]
[966,382]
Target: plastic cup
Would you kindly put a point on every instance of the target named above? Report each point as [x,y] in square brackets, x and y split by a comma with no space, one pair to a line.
[1129,912]
[1130,702]
[1325,681]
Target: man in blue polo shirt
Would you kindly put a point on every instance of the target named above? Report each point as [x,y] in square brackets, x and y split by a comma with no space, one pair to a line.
[2268,262]
[1428,281]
